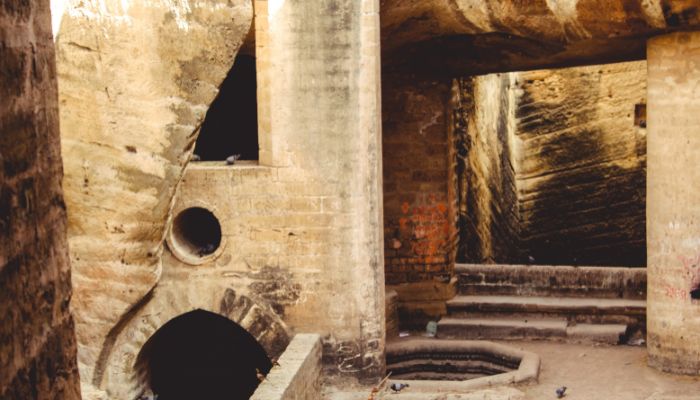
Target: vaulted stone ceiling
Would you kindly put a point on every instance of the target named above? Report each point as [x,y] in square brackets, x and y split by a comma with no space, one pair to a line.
[466,37]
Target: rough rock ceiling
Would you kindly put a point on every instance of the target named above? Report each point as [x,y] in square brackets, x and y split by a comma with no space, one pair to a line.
[467,37]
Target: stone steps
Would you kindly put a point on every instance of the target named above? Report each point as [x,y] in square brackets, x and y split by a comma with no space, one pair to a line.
[529,329]
[570,319]
[572,308]
[551,280]
[535,302]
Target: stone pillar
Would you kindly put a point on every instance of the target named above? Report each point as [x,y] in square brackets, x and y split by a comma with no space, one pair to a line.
[324,132]
[673,202]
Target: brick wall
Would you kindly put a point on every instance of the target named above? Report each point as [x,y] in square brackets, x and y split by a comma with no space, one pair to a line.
[37,340]
[418,228]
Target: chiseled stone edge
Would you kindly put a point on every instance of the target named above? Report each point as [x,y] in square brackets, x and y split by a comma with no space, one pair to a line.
[298,373]
[527,372]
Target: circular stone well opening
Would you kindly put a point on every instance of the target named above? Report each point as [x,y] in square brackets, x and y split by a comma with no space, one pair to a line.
[201,355]
[195,234]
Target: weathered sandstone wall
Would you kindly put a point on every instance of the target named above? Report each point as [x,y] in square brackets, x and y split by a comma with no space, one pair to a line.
[301,245]
[135,81]
[443,37]
[483,126]
[37,340]
[303,229]
[552,166]
[581,167]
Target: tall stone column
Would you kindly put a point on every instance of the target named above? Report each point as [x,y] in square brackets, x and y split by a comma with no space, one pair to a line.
[323,132]
[673,202]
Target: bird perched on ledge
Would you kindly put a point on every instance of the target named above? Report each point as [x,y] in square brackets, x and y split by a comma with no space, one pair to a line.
[230,160]
[397,387]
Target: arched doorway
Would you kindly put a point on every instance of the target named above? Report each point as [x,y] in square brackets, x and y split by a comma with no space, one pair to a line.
[201,355]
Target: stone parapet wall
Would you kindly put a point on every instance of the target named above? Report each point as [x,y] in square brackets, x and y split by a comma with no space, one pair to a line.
[298,373]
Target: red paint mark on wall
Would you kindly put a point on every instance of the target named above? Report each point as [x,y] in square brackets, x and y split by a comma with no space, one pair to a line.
[691,272]
[425,226]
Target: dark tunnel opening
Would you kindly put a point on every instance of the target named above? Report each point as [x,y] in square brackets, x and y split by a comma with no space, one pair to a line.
[197,231]
[201,355]
[231,124]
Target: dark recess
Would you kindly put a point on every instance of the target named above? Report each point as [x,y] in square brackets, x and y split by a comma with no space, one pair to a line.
[202,355]
[198,230]
[231,124]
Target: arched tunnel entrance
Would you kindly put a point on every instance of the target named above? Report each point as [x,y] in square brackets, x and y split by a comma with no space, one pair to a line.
[201,355]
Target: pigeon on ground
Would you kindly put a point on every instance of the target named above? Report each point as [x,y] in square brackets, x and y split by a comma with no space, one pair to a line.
[196,157]
[695,293]
[397,387]
[561,392]
[230,160]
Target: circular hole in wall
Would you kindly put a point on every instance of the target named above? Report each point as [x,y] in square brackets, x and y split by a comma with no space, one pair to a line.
[195,233]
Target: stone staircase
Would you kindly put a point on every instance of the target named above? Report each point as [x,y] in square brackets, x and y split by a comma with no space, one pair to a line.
[576,304]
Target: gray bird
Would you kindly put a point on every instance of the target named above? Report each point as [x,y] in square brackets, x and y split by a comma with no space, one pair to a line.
[207,249]
[230,160]
[531,259]
[397,387]
[561,392]
[196,157]
[695,293]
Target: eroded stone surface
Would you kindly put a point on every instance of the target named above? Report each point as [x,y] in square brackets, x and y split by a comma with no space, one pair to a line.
[37,341]
[672,207]
[115,369]
[581,165]
[442,36]
[135,81]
